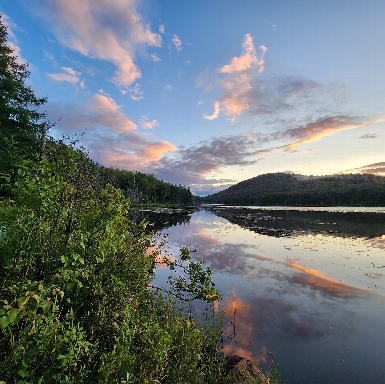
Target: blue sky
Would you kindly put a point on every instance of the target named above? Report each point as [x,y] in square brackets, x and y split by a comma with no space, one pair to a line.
[209,93]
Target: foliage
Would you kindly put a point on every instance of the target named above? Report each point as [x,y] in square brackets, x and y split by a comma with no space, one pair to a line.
[75,301]
[76,306]
[143,188]
[20,118]
[296,190]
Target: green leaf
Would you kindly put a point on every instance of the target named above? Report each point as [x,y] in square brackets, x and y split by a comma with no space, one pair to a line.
[4,323]
[12,315]
[21,301]
[46,305]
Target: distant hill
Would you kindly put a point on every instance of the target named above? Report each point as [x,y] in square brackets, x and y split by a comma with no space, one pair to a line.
[299,190]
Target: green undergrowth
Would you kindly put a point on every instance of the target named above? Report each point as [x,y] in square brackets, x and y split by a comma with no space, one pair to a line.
[76,303]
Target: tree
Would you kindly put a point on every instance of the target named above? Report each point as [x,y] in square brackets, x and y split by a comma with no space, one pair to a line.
[21,126]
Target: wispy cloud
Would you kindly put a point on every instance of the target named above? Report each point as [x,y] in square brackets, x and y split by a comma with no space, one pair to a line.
[135,92]
[215,114]
[155,58]
[322,127]
[369,136]
[161,28]
[110,31]
[168,87]
[68,75]
[111,137]
[375,168]
[177,43]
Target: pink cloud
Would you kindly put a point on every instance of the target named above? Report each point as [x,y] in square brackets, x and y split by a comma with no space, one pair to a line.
[215,114]
[135,158]
[148,124]
[69,75]
[108,30]
[324,127]
[248,59]
[236,81]
[155,150]
[110,136]
[107,113]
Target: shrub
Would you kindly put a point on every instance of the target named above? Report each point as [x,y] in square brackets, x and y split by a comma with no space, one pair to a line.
[76,306]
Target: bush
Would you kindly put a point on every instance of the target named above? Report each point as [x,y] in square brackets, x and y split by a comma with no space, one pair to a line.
[76,306]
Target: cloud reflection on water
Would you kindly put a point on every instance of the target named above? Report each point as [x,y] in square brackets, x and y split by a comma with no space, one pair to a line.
[289,293]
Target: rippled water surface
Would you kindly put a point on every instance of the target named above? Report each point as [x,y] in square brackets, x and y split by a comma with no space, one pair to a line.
[315,300]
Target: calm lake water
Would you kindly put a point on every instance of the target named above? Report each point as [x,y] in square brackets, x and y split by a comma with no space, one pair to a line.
[313,298]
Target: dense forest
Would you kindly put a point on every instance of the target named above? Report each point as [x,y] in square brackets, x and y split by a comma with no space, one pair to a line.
[297,190]
[77,304]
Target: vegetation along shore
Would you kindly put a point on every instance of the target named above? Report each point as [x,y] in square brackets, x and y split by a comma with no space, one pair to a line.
[76,301]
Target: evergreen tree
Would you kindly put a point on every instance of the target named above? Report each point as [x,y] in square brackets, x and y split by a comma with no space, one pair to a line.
[21,128]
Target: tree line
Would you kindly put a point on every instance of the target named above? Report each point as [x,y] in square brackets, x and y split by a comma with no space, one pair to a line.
[298,190]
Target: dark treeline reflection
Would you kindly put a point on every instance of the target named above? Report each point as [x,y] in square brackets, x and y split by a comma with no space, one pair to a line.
[157,220]
[289,223]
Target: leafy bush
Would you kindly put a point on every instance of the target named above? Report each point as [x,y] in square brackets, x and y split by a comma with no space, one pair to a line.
[76,306]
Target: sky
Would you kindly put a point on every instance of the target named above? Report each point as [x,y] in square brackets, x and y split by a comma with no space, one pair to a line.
[209,93]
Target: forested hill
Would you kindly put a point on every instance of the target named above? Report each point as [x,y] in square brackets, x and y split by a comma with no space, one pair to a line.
[146,188]
[298,190]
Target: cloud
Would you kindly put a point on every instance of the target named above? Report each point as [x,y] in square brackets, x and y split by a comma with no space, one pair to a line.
[375,168]
[168,87]
[243,90]
[136,93]
[111,136]
[148,124]
[107,30]
[155,58]
[177,42]
[12,40]
[107,113]
[369,136]
[248,60]
[316,280]
[69,75]
[322,127]
[195,166]
[190,166]
[215,114]
[236,82]
[161,28]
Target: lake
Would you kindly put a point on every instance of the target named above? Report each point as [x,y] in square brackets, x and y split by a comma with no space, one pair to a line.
[308,286]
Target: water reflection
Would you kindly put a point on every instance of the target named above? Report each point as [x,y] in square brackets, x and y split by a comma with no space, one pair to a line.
[287,222]
[316,300]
